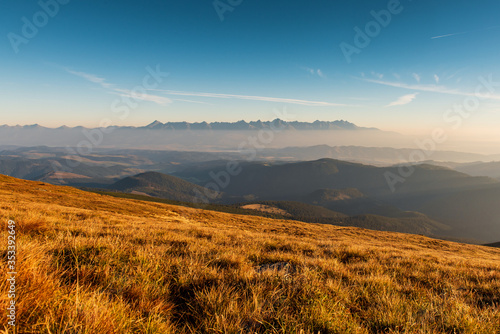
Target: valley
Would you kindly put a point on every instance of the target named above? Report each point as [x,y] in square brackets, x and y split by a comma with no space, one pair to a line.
[437,200]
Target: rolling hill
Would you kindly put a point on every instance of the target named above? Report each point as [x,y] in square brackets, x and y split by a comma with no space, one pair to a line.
[91,263]
[491,169]
[161,185]
[104,166]
[405,222]
[467,210]
[292,180]
[390,219]
[350,201]
[312,182]
[320,182]
[56,170]
[298,209]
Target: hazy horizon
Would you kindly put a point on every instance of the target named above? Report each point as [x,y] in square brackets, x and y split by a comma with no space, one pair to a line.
[370,63]
[224,140]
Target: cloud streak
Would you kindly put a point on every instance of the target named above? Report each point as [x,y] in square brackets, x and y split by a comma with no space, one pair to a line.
[161,100]
[90,77]
[464,32]
[313,71]
[256,98]
[405,99]
[449,35]
[432,89]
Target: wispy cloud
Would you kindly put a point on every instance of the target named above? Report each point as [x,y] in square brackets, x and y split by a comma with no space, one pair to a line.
[161,100]
[464,32]
[432,89]
[320,73]
[449,35]
[378,75]
[405,99]
[313,71]
[436,78]
[192,101]
[308,69]
[256,98]
[90,77]
[416,76]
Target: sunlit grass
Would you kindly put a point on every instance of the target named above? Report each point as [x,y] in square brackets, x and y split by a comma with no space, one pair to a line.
[89,263]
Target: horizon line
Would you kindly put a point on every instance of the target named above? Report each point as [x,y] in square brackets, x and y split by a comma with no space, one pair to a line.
[155,121]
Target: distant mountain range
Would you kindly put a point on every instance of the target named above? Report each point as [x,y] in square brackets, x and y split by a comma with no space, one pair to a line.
[201,136]
[256,125]
[240,125]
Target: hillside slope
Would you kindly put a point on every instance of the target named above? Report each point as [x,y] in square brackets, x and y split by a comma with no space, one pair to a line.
[406,222]
[89,263]
[160,185]
[311,182]
[491,169]
[292,180]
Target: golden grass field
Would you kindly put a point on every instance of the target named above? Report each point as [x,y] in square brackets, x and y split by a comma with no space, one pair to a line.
[89,263]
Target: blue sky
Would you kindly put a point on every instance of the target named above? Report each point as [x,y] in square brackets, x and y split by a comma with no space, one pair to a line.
[263,55]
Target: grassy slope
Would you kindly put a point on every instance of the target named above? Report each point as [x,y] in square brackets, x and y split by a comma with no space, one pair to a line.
[90,263]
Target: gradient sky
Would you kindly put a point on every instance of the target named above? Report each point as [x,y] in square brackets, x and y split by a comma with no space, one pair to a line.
[264,55]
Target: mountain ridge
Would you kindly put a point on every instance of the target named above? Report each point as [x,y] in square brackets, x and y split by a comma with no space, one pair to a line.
[238,125]
[159,185]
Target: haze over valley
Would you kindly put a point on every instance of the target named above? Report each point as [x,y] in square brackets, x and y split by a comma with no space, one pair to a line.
[260,167]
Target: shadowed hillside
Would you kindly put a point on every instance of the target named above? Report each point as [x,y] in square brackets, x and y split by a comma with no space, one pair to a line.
[467,210]
[406,222]
[355,189]
[91,263]
[160,185]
